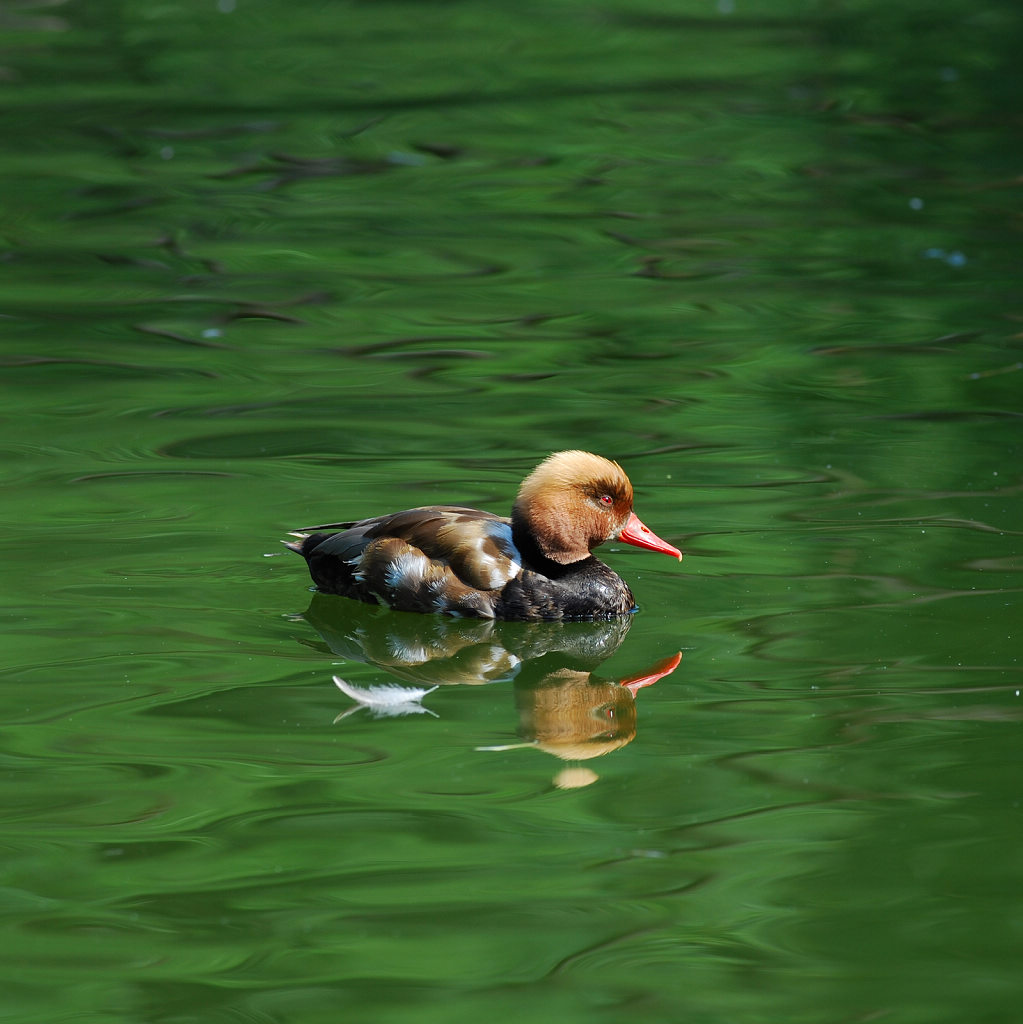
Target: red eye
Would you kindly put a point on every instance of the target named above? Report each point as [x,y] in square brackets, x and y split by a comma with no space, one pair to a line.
[606,499]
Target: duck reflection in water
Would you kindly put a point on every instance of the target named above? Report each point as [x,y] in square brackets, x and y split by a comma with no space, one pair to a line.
[564,709]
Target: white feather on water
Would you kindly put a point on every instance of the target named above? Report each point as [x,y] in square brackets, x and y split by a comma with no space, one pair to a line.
[386,700]
[510,746]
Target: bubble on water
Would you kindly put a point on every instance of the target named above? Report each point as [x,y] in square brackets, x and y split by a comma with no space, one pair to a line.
[955,258]
[405,159]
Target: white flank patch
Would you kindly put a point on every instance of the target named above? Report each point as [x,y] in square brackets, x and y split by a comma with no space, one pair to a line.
[499,573]
[491,570]
[385,701]
[407,570]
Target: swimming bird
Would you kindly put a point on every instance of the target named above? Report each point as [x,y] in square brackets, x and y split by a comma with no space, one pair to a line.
[536,564]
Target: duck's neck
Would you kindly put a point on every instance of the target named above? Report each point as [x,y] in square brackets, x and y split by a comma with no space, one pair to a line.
[534,555]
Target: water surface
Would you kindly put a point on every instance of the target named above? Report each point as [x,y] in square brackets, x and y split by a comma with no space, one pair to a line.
[267,266]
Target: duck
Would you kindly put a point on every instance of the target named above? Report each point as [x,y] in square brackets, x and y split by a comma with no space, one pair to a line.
[535,565]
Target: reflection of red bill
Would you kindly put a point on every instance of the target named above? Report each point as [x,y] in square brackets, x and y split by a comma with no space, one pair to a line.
[635,532]
[663,668]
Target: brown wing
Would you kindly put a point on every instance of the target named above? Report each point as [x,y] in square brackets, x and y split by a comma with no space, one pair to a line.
[436,548]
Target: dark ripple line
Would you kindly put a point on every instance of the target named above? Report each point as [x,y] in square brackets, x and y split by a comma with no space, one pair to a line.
[537,93]
[172,371]
[572,959]
[149,472]
[951,415]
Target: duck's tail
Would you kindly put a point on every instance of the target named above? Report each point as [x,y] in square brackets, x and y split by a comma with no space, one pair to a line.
[298,546]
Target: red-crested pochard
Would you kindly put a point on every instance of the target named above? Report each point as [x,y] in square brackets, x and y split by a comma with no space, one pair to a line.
[534,565]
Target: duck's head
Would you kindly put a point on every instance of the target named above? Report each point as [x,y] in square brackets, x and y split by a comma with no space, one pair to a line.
[574,501]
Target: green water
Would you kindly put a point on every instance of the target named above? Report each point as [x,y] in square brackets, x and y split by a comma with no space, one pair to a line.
[264,265]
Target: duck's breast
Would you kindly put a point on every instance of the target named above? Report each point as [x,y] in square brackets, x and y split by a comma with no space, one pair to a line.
[582,591]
